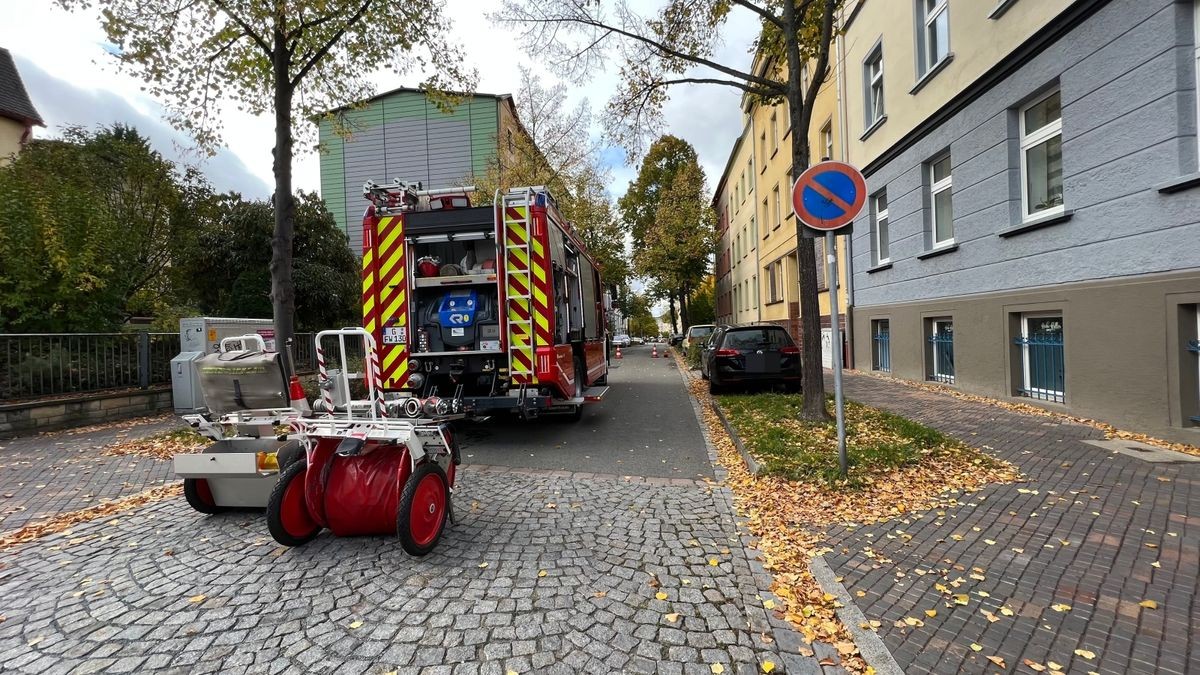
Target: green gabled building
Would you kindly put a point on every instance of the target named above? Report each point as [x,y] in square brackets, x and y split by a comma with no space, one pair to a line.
[401,134]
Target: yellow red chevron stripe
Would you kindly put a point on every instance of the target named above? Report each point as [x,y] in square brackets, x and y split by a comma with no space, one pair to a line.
[517,285]
[539,267]
[390,257]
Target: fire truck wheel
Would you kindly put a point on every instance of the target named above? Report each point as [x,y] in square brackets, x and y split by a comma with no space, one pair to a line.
[423,507]
[199,496]
[287,515]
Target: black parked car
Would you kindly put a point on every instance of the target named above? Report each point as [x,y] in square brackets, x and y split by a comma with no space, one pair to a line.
[751,354]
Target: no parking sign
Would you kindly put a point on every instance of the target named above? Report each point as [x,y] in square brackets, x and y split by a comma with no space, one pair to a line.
[829,196]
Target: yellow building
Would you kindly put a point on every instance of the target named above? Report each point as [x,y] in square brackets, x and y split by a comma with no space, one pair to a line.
[768,138]
[738,227]
[17,114]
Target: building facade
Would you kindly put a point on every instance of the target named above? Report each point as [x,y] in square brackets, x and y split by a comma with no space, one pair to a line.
[766,252]
[401,134]
[722,271]
[738,227]
[18,116]
[1033,227]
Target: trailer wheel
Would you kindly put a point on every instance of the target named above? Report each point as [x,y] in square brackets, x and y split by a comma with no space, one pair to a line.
[199,496]
[424,504]
[287,515]
[290,453]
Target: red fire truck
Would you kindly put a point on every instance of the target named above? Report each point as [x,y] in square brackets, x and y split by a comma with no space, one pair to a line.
[500,306]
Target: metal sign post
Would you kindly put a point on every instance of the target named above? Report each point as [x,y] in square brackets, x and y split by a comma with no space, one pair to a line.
[828,197]
[836,336]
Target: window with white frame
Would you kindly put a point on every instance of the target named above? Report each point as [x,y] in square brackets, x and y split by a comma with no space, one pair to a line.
[873,86]
[775,280]
[1042,363]
[940,202]
[750,173]
[883,243]
[753,232]
[941,350]
[935,33]
[1041,157]
[827,140]
[774,130]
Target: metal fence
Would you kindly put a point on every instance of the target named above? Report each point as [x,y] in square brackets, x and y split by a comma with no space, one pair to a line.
[1042,359]
[883,352]
[38,365]
[942,344]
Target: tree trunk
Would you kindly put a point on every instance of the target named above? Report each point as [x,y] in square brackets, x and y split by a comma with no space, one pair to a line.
[283,290]
[684,317]
[812,375]
[671,306]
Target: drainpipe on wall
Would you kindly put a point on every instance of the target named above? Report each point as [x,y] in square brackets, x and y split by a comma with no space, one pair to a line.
[840,75]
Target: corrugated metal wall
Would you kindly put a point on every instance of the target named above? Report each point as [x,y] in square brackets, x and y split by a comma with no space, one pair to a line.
[403,135]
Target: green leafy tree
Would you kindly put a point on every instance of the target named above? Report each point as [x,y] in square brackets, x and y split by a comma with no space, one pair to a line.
[86,231]
[668,214]
[226,261]
[702,305]
[677,44]
[294,59]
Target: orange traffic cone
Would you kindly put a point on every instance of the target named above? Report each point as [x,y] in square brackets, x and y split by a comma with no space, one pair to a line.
[619,353]
[296,396]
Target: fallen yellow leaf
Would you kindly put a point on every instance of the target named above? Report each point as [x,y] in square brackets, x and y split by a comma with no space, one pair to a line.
[660,595]
[769,604]
[1085,653]
[1149,604]
[975,647]
[768,666]
[197,598]
[1006,611]
[482,565]
[717,668]
[357,623]
[931,613]
[714,563]
[997,660]
[1054,666]
[1034,665]
[1060,607]
[961,599]
[542,573]
[983,594]
[913,621]
[1155,564]
[672,617]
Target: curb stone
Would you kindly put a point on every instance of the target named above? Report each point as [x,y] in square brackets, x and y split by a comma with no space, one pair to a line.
[787,640]
[870,645]
[751,464]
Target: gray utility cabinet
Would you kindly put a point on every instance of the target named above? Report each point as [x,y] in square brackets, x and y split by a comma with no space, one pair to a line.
[199,336]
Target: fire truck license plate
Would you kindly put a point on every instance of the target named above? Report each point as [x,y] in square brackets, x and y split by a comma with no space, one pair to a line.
[395,335]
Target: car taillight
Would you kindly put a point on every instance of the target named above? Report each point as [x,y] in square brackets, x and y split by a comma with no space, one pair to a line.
[789,350]
[727,352]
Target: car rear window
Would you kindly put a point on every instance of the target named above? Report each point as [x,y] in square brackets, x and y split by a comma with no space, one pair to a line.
[700,331]
[754,338]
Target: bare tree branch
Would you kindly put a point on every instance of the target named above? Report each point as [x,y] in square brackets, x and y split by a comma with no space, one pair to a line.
[764,13]
[262,43]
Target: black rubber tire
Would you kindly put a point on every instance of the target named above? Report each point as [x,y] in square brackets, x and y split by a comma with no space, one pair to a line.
[195,491]
[294,471]
[407,495]
[713,387]
[289,454]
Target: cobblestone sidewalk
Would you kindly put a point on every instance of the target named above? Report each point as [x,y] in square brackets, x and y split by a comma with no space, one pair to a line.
[48,474]
[1061,563]
[165,588]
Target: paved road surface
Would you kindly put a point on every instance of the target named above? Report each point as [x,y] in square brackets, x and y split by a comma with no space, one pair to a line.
[645,426]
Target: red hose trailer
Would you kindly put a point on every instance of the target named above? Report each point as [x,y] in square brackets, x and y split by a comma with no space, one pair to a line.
[364,473]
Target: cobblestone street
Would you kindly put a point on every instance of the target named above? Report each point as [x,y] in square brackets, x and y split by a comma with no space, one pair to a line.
[557,570]
[1072,553]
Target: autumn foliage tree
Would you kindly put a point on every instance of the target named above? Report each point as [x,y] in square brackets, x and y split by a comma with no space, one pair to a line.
[677,44]
[559,152]
[292,59]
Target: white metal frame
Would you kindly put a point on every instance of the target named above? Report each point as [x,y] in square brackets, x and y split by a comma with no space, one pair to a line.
[1030,141]
[1028,382]
[930,17]
[936,188]
[827,139]
[874,89]
[937,365]
[881,216]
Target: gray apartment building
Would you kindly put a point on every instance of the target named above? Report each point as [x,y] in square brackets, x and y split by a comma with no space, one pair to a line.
[1033,234]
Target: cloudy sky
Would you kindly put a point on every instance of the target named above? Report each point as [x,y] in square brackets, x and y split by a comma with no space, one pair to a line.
[74,81]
